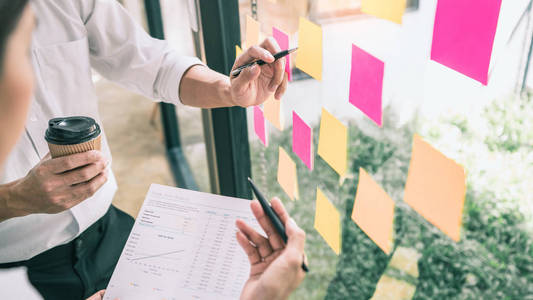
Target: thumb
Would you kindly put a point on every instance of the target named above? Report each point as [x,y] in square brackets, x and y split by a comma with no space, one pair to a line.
[245,77]
[296,236]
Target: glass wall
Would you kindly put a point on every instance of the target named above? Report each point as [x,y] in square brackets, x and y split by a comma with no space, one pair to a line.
[487,129]
[139,157]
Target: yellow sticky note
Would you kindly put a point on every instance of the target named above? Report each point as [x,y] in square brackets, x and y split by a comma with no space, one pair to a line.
[287,176]
[272,111]
[373,212]
[332,142]
[436,188]
[252,32]
[238,51]
[309,54]
[391,10]
[328,221]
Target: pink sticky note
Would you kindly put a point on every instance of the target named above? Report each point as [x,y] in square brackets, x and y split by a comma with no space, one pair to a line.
[463,35]
[366,83]
[302,140]
[283,41]
[259,125]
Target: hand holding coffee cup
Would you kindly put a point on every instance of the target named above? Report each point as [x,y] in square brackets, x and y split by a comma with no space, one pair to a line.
[73,173]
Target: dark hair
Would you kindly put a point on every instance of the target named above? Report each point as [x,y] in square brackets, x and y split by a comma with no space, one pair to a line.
[10,12]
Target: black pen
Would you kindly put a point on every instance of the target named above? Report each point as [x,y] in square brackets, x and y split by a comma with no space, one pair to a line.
[261,62]
[273,216]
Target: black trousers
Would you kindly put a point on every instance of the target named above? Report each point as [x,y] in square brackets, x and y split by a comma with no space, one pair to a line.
[84,266]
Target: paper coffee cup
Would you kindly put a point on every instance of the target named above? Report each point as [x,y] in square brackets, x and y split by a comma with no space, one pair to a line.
[72,135]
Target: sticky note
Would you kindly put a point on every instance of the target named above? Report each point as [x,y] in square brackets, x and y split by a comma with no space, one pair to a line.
[252,32]
[283,41]
[238,51]
[302,140]
[328,221]
[436,188]
[366,84]
[259,125]
[272,110]
[391,10]
[287,176]
[463,36]
[309,54]
[332,142]
[373,212]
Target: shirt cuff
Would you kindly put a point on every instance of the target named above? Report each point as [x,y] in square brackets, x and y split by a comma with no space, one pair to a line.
[168,79]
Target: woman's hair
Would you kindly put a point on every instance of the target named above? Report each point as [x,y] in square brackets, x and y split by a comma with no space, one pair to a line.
[10,12]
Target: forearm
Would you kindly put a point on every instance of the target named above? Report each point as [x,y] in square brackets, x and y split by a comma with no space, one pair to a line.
[205,88]
[7,197]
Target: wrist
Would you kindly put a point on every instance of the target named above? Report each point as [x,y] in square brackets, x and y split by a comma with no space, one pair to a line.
[8,196]
[224,92]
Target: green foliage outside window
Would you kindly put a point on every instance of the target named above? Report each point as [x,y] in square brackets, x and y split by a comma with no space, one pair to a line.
[493,260]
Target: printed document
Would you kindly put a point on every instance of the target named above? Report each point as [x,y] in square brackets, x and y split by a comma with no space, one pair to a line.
[183,246]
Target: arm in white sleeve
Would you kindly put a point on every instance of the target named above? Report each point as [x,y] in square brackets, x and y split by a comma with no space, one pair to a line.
[123,52]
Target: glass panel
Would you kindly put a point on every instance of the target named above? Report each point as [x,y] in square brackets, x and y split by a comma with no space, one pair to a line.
[177,22]
[484,128]
[139,157]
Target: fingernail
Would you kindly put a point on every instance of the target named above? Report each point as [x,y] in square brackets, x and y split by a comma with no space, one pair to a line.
[268,55]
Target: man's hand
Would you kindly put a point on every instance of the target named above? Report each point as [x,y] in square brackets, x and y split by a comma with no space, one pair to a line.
[98,296]
[276,268]
[256,84]
[55,185]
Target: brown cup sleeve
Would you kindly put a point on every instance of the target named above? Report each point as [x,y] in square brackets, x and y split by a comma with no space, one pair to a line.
[63,150]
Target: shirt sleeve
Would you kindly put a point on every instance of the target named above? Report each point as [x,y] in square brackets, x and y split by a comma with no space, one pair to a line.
[121,51]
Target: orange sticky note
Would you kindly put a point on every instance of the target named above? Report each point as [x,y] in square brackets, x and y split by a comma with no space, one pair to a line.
[287,176]
[252,32]
[332,142]
[373,212]
[391,10]
[272,110]
[238,51]
[436,188]
[328,221]
[309,54]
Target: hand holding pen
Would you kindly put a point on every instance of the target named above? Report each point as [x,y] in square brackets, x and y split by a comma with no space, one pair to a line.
[276,267]
[258,82]
[235,72]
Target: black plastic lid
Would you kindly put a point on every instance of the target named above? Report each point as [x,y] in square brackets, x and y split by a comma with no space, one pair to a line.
[71,130]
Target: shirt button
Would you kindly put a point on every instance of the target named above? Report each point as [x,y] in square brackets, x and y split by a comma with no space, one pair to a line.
[33,118]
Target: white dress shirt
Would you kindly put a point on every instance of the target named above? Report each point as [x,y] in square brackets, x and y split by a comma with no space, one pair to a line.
[71,37]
